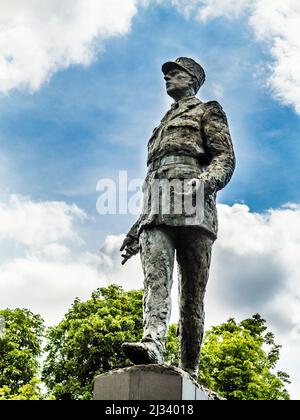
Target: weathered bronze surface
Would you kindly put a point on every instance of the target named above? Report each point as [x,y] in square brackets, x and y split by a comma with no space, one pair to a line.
[192,142]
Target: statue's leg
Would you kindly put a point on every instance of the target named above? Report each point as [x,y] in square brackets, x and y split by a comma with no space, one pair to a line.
[157,256]
[193,257]
[157,251]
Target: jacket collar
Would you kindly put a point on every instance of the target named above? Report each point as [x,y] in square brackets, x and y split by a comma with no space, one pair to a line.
[186,101]
[182,106]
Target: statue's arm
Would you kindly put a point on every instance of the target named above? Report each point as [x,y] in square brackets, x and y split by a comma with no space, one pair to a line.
[218,146]
[131,243]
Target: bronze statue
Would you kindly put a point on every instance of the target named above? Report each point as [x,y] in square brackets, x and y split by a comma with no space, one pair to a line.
[191,143]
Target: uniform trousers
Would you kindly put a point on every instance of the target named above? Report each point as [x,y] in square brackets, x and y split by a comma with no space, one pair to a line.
[192,246]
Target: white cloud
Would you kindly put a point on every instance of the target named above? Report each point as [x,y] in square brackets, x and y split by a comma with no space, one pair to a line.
[43,269]
[211,9]
[39,37]
[256,263]
[276,24]
[46,287]
[36,223]
[256,269]
[185,7]
[48,266]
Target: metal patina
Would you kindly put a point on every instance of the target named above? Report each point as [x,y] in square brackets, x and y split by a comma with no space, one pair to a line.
[192,142]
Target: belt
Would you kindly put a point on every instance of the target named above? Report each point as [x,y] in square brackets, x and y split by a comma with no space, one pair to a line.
[173,160]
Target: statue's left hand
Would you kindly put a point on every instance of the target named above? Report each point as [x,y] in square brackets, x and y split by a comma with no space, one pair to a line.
[192,185]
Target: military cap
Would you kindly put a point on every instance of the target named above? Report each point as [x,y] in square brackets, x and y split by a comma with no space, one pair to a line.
[187,64]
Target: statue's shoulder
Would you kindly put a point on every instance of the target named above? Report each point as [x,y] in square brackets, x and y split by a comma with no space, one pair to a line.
[214,107]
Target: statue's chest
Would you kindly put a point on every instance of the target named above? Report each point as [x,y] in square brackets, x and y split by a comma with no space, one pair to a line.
[179,131]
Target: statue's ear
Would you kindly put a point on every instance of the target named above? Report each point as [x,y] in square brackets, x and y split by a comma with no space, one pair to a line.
[192,81]
[195,84]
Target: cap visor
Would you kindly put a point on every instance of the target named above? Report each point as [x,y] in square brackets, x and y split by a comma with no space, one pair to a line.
[170,65]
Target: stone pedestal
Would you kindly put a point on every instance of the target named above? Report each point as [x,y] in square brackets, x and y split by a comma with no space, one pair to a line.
[148,382]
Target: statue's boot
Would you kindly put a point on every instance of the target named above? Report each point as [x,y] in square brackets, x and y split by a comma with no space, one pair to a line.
[144,353]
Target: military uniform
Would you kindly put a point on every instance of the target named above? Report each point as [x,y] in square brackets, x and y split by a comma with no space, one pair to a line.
[192,141]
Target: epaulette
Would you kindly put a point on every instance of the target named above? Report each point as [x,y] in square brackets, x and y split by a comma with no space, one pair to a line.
[213,104]
[216,108]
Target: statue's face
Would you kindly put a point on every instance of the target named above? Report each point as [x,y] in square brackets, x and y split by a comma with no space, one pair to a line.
[178,81]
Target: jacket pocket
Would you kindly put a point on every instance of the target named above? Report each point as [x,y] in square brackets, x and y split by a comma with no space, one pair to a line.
[184,123]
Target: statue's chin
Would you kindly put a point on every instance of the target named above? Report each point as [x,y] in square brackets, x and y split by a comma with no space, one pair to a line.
[173,93]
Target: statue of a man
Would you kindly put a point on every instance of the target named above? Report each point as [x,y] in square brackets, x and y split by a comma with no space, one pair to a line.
[191,143]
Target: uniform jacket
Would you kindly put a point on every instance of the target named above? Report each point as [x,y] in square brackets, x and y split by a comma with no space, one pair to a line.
[198,130]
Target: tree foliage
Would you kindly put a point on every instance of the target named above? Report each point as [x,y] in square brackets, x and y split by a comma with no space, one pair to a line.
[28,392]
[238,362]
[20,349]
[88,341]
[172,346]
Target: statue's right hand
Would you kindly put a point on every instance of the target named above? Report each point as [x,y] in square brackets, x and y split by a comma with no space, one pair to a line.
[127,241]
[131,247]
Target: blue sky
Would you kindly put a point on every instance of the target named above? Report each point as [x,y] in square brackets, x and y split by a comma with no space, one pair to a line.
[75,109]
[89,122]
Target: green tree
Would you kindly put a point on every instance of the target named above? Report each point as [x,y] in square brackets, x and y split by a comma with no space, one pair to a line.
[172,346]
[28,392]
[20,350]
[88,341]
[238,362]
